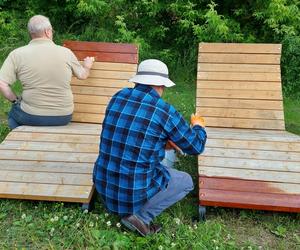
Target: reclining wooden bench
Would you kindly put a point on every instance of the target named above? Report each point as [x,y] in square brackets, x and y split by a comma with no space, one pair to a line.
[250,160]
[56,163]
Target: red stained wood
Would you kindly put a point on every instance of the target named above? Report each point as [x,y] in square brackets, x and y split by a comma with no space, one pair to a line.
[107,56]
[250,200]
[102,47]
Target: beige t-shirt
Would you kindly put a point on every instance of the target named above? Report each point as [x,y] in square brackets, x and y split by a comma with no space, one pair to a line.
[45,70]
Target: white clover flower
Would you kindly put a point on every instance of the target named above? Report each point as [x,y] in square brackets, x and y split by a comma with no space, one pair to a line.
[177,221]
[118,224]
[85,211]
[106,214]
[173,235]
[217,248]
[77,224]
[35,207]
[52,231]
[160,247]
[56,218]
[195,226]
[65,217]
[108,223]
[214,241]
[52,219]
[97,217]
[91,224]
[190,228]
[23,216]
[173,244]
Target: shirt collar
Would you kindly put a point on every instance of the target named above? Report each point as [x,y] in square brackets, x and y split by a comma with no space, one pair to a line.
[40,40]
[147,89]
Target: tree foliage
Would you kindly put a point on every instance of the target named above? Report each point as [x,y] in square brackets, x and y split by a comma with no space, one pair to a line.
[169,29]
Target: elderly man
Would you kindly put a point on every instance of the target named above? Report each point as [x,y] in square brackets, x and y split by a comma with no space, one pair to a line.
[44,70]
[129,174]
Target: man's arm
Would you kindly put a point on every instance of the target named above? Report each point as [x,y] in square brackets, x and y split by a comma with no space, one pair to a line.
[7,92]
[87,65]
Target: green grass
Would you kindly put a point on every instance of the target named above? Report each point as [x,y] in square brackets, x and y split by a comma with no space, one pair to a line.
[55,225]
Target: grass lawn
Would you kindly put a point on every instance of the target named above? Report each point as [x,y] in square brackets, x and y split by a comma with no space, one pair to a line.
[55,225]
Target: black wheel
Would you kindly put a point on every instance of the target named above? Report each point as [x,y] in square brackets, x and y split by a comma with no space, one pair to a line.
[202,213]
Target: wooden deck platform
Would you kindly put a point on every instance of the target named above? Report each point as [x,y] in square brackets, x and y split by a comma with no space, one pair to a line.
[56,163]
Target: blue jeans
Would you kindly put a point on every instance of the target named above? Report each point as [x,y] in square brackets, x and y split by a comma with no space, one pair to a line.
[18,117]
[179,186]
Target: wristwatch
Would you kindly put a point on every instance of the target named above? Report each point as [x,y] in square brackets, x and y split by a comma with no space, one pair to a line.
[17,100]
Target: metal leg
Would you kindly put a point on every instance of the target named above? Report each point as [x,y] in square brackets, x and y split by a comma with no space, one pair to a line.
[202,213]
[91,205]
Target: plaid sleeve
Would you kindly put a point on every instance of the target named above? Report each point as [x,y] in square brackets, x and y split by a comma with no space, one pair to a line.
[190,140]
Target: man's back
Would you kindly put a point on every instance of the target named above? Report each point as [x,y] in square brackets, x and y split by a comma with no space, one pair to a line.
[45,71]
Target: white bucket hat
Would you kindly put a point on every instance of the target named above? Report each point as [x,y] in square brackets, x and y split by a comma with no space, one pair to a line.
[152,72]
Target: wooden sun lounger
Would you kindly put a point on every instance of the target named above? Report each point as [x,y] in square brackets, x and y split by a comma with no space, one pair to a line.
[56,163]
[250,160]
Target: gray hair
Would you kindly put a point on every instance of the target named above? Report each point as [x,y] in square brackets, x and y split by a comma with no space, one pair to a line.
[38,24]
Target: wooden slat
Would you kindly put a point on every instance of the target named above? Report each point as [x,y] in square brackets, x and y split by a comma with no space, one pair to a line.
[52,146]
[246,185]
[251,48]
[239,58]
[105,74]
[239,76]
[47,166]
[88,117]
[98,82]
[253,144]
[108,57]
[223,67]
[250,174]
[239,94]
[27,155]
[268,165]
[244,123]
[52,137]
[239,85]
[101,46]
[94,91]
[241,113]
[239,103]
[46,192]
[108,66]
[51,178]
[92,99]
[275,202]
[89,108]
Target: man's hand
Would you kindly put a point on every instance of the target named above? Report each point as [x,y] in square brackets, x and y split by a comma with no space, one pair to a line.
[88,62]
[197,120]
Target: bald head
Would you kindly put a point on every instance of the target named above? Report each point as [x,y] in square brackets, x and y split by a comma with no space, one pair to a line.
[38,26]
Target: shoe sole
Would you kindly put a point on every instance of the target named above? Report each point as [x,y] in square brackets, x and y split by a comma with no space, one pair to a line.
[132,227]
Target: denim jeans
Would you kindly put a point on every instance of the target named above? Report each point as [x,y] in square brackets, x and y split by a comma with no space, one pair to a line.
[18,117]
[179,186]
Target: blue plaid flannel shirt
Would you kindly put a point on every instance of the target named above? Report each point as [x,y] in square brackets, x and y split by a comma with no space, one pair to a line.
[136,128]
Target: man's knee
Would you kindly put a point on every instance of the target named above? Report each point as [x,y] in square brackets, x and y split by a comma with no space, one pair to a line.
[187,182]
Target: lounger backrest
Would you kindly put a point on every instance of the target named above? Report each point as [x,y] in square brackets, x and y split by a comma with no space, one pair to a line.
[239,85]
[114,65]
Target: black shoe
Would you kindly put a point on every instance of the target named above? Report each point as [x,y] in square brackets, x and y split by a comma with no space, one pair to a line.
[135,224]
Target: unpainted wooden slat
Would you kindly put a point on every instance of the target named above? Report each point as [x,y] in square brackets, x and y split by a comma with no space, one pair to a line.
[250,174]
[105,74]
[247,185]
[101,46]
[92,99]
[51,146]
[108,57]
[239,58]
[241,113]
[88,117]
[274,202]
[125,67]
[251,48]
[46,192]
[252,164]
[239,103]
[244,123]
[254,144]
[51,178]
[85,90]
[251,68]
[239,94]
[239,85]
[28,155]
[239,76]
[89,108]
[98,82]
[52,137]
[47,166]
